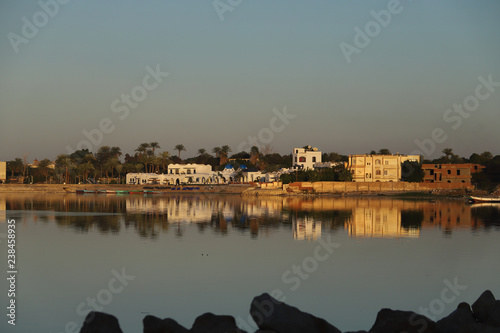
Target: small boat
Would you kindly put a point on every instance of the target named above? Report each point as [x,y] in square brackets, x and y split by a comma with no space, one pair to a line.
[135,192]
[68,190]
[86,192]
[151,192]
[121,192]
[484,199]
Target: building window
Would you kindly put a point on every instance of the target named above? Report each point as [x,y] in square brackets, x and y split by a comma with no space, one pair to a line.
[368,175]
[295,159]
[475,167]
[377,173]
[296,151]
[449,172]
[431,172]
[458,172]
[386,162]
[314,158]
[302,159]
[385,172]
[377,162]
[368,163]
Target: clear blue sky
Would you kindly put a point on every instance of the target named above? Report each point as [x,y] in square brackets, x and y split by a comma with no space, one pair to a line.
[226,76]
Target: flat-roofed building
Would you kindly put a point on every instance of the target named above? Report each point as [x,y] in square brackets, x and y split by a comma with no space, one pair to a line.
[378,168]
[450,173]
[306,157]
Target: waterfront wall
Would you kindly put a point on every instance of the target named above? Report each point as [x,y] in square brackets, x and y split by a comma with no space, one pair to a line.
[366,187]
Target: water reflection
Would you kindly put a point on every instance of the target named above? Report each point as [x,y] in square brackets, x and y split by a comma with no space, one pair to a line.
[306,218]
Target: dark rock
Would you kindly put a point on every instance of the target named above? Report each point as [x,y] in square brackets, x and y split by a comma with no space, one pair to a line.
[481,306]
[271,314]
[210,323]
[154,324]
[462,321]
[99,322]
[494,315]
[396,321]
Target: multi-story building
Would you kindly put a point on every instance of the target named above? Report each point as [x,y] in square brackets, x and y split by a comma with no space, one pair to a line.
[306,157]
[450,173]
[378,168]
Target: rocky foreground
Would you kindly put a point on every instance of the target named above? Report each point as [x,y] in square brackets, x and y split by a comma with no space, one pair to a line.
[273,316]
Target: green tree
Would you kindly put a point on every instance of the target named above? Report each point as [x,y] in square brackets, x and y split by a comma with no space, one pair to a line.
[64,162]
[44,169]
[15,166]
[384,151]
[154,145]
[180,148]
[164,160]
[411,171]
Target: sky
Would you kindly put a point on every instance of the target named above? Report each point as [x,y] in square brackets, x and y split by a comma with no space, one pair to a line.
[343,76]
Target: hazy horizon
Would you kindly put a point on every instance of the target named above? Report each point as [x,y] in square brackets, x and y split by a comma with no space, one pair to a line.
[353,76]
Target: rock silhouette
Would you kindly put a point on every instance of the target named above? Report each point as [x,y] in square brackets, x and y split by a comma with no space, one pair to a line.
[273,316]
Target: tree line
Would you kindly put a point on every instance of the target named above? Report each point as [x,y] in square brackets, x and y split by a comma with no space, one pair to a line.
[109,164]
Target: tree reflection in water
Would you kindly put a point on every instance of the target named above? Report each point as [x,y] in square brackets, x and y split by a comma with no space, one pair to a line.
[306,218]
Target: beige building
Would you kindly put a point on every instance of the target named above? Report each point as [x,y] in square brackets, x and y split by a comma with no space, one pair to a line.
[378,168]
[3,171]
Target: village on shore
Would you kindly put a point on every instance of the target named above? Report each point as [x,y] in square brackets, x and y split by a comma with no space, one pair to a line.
[305,169]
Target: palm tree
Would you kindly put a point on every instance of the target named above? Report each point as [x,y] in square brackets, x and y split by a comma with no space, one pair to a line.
[154,145]
[87,165]
[164,159]
[142,150]
[180,148]
[217,151]
[201,151]
[64,161]
[16,165]
[448,152]
[224,152]
[44,168]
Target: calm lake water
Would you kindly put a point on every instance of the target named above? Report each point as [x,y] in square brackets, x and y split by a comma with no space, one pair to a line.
[341,259]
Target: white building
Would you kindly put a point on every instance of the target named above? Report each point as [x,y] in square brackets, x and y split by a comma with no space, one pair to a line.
[306,157]
[178,174]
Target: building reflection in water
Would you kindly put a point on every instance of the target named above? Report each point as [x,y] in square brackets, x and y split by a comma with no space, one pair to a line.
[306,218]
[306,229]
[3,207]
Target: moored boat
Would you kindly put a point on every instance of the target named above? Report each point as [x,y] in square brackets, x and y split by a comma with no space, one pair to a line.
[484,199]
[86,192]
[135,192]
[121,192]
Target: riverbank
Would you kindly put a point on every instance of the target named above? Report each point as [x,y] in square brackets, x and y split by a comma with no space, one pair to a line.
[61,188]
[274,316]
[317,189]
